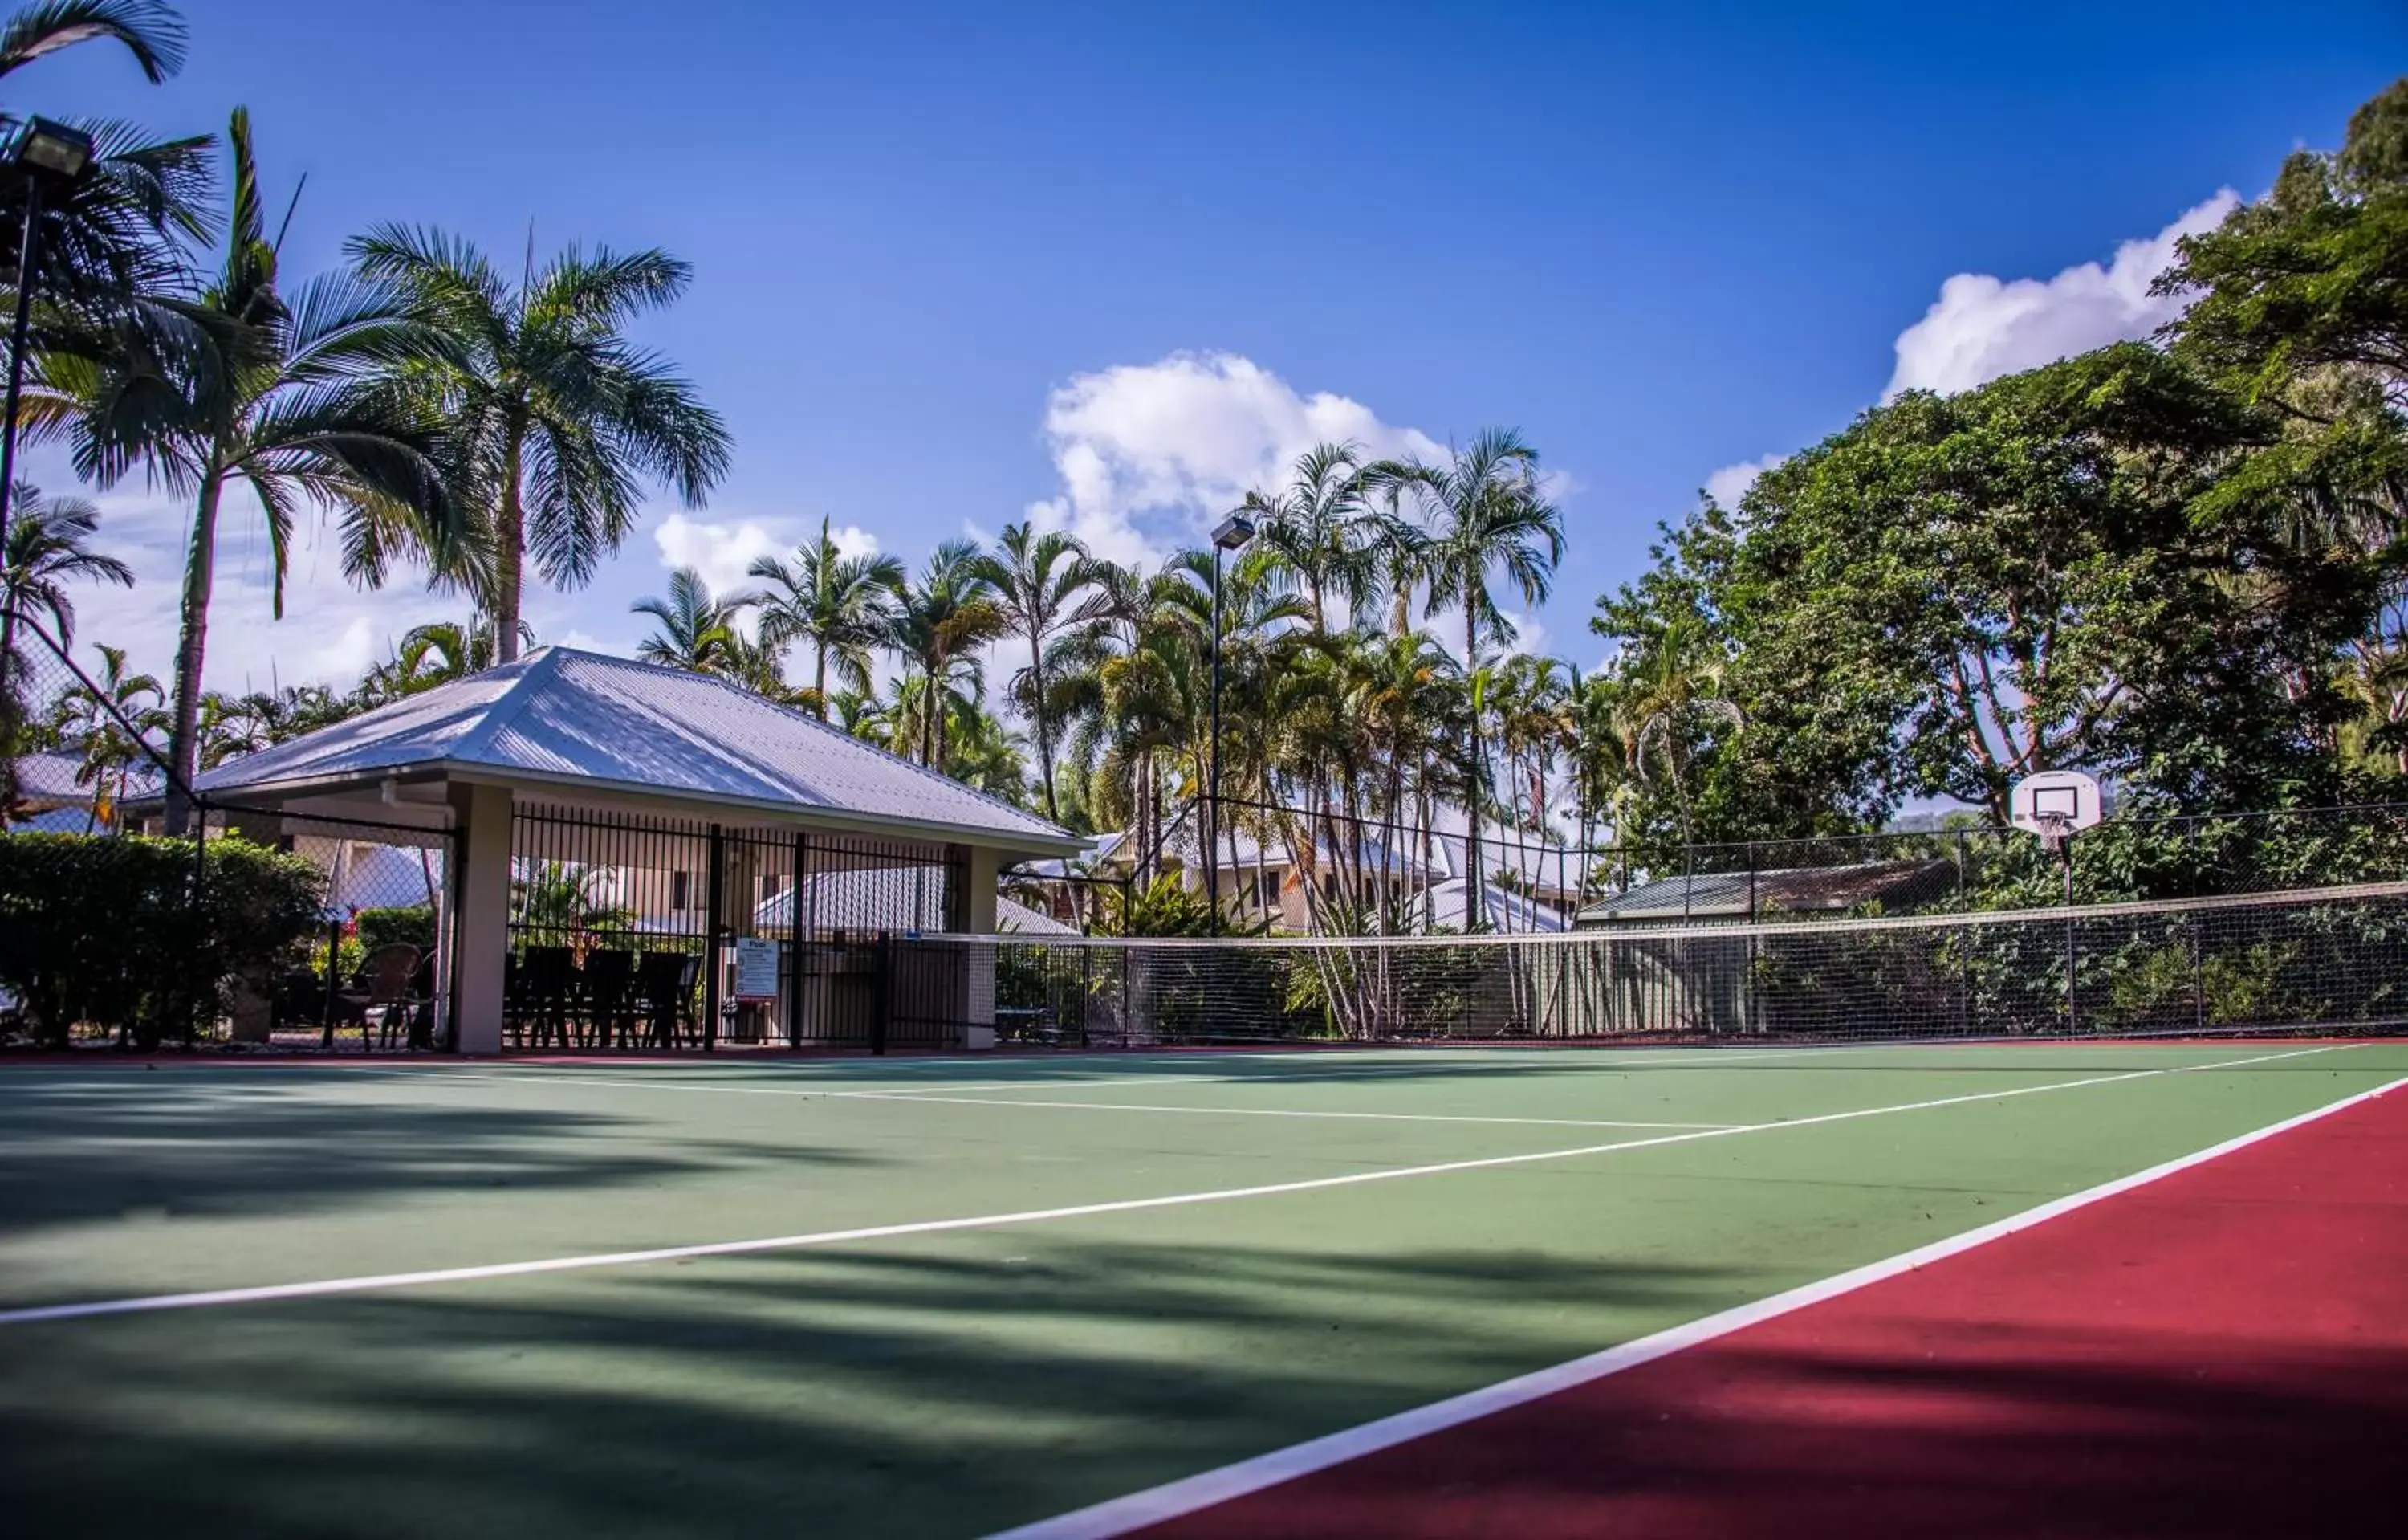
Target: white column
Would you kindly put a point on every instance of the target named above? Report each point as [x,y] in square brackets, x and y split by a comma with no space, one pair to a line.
[478,882]
[977,909]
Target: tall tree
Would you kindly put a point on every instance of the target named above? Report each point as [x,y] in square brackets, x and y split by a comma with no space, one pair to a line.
[1670,699]
[114,720]
[1488,512]
[942,618]
[1321,528]
[695,628]
[244,383]
[553,416]
[841,605]
[1037,581]
[48,546]
[111,238]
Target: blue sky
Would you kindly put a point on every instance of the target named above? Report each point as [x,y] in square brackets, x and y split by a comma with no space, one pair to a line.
[1108,262]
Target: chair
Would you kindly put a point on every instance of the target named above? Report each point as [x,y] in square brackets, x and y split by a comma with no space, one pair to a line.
[664,982]
[610,994]
[547,982]
[386,974]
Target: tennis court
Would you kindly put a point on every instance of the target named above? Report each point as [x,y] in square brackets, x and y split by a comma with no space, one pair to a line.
[951,1297]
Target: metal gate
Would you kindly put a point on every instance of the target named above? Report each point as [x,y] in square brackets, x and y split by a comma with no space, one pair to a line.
[635,933]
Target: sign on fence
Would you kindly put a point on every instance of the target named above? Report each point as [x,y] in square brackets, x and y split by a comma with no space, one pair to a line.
[757,968]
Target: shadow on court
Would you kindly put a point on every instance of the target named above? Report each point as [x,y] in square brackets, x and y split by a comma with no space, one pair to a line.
[73,1151]
[837,1394]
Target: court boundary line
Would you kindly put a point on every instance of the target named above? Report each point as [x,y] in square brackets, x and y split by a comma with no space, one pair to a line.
[323,1287]
[1290,1111]
[1192,1495]
[935,1095]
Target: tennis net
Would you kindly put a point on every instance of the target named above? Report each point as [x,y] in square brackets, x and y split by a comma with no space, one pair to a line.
[2332,959]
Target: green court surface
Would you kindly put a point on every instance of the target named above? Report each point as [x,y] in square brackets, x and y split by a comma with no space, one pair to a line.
[959,1378]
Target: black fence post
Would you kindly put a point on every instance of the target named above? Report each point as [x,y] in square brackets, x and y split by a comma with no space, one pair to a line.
[883,994]
[714,918]
[333,961]
[794,942]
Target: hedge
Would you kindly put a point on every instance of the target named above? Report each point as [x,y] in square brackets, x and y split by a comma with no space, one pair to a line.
[110,930]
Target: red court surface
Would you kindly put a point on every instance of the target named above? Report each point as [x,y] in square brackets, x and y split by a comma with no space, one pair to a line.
[2223,1352]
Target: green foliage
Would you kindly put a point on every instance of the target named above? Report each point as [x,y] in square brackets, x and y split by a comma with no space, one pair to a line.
[402,924]
[1162,907]
[561,903]
[111,931]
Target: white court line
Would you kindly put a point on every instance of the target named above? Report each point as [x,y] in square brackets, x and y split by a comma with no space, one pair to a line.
[509,1077]
[1176,1499]
[1283,1112]
[320,1288]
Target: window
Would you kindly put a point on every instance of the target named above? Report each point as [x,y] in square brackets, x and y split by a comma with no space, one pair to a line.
[680,889]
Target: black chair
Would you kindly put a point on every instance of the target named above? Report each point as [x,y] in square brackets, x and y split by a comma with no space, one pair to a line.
[664,982]
[515,1008]
[611,996]
[548,984]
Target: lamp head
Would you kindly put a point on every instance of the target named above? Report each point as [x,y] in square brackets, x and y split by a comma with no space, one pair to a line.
[46,147]
[1233,532]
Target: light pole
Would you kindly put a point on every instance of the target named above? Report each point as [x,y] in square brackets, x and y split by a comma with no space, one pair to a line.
[1231,534]
[44,153]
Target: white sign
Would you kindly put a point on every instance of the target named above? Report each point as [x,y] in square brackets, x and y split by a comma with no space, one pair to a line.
[757,968]
[2051,795]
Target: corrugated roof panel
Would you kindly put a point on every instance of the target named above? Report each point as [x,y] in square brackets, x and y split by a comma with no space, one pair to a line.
[563,713]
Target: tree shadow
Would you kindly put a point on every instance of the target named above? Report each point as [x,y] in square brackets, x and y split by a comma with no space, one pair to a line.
[79,1150]
[896,1392]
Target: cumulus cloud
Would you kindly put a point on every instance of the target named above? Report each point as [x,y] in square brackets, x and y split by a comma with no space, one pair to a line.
[851,540]
[1150,454]
[1983,326]
[1727,485]
[720,552]
[331,630]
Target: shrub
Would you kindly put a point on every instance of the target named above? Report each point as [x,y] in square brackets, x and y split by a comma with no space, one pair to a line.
[125,932]
[405,925]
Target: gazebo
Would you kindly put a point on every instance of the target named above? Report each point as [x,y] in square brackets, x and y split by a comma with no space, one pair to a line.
[577,799]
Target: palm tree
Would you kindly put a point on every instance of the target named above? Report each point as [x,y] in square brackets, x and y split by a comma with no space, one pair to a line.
[442,650]
[841,605]
[1670,697]
[149,30]
[282,392]
[1486,511]
[116,718]
[554,416]
[234,726]
[1037,579]
[1321,529]
[697,629]
[940,622]
[108,238]
[49,544]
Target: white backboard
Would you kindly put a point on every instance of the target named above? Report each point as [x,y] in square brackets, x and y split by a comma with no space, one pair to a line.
[2069,794]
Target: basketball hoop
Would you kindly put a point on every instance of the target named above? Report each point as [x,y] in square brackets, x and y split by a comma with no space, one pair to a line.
[2054,829]
[2056,805]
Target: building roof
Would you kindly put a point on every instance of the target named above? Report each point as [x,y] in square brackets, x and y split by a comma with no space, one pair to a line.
[584,720]
[1806,889]
[1499,909]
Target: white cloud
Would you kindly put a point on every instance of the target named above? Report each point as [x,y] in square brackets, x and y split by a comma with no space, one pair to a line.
[1982,326]
[1150,454]
[720,552]
[1727,485]
[851,540]
[331,630]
